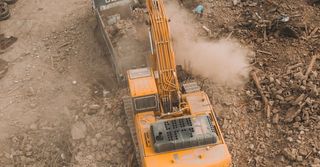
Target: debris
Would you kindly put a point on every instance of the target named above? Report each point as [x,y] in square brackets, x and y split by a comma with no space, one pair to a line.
[10,1]
[264,52]
[65,44]
[290,154]
[314,2]
[5,42]
[299,158]
[275,119]
[314,31]
[207,30]
[78,130]
[236,2]
[121,131]
[313,60]
[33,126]
[94,107]
[251,146]
[290,139]
[264,98]
[288,32]
[293,112]
[130,159]
[293,67]
[3,68]
[284,19]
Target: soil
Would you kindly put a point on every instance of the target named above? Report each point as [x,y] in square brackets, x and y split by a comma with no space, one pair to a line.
[60,104]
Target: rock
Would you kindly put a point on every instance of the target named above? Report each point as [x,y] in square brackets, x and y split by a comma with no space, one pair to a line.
[290,154]
[299,158]
[7,155]
[306,115]
[108,105]
[257,105]
[121,130]
[91,109]
[292,113]
[113,142]
[248,93]
[251,146]
[299,75]
[29,153]
[297,119]
[33,126]
[88,141]
[28,147]
[33,105]
[279,97]
[91,112]
[316,163]
[268,126]
[271,79]
[94,107]
[99,156]
[303,151]
[275,119]
[236,2]
[94,142]
[105,93]
[119,145]
[31,92]
[63,156]
[3,68]
[299,99]
[78,130]
[290,139]
[98,135]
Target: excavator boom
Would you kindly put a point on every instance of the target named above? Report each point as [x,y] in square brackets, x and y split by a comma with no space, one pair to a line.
[168,85]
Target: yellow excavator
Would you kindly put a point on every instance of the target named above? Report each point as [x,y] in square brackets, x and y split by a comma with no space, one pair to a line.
[172,124]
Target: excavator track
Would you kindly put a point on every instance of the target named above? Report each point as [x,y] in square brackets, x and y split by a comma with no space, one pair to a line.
[129,110]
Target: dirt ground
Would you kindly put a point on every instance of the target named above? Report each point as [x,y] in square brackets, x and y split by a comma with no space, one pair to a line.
[60,104]
[55,68]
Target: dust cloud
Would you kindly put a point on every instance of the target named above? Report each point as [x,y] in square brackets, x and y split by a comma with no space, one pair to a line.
[223,61]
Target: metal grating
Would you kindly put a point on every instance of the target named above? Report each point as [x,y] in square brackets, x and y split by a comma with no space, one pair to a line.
[191,87]
[139,73]
[183,133]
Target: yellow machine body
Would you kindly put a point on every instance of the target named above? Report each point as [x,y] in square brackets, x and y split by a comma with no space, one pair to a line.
[212,155]
[155,97]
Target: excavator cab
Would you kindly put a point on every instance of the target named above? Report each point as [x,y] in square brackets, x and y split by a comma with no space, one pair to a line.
[143,90]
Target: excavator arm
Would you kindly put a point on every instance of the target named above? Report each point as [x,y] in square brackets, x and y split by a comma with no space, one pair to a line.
[167,82]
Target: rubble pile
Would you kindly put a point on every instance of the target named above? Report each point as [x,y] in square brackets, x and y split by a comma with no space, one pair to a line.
[100,133]
[42,144]
[285,39]
[267,18]
[293,93]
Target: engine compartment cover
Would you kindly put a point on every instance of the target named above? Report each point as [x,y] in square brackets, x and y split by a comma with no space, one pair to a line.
[183,132]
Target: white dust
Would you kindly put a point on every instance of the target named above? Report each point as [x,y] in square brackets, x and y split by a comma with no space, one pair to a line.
[223,61]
